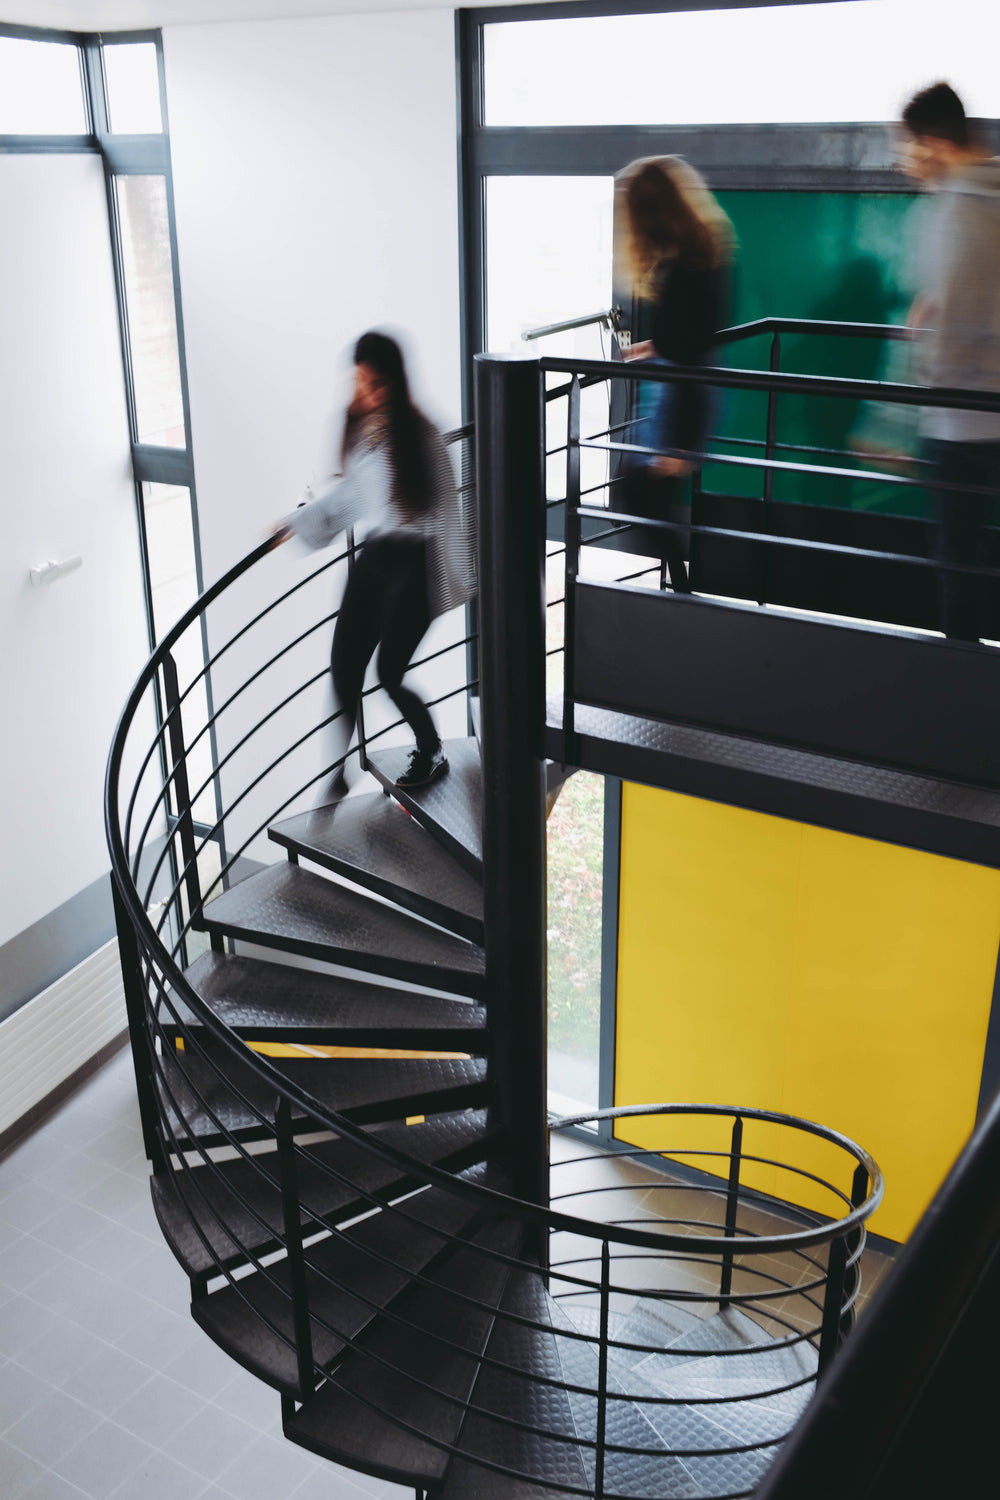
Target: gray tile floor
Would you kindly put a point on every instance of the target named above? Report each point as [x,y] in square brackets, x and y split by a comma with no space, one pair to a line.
[107,1387]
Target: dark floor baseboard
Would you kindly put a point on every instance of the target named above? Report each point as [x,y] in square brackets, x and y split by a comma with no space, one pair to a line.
[40,1112]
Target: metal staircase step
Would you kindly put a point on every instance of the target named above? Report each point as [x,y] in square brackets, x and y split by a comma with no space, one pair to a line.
[647,1466]
[551,1456]
[211,1218]
[300,912]
[451,808]
[394,1406]
[347,1281]
[209,1099]
[372,841]
[274,1002]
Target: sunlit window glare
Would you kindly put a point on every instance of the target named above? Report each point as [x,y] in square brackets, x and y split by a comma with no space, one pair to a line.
[133,88]
[41,91]
[854,60]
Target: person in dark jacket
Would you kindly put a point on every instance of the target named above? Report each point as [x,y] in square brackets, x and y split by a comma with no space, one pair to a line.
[679,247]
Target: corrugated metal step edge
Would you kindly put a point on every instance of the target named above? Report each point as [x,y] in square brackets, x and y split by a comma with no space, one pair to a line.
[355,1418]
[366,1091]
[195,1205]
[374,842]
[450,808]
[301,912]
[253,1320]
[275,1002]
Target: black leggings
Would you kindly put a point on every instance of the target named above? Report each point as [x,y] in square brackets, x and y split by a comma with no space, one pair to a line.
[385,601]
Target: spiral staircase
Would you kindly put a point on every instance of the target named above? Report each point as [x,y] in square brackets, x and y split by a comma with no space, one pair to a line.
[340,1101]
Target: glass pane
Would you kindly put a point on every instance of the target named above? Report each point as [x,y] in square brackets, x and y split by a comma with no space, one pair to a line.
[41,90]
[852,60]
[575,896]
[173,578]
[147,267]
[133,84]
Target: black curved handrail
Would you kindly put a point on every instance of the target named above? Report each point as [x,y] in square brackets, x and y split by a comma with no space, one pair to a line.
[167,1010]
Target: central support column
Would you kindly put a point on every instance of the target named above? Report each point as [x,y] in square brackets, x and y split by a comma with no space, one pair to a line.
[510,467]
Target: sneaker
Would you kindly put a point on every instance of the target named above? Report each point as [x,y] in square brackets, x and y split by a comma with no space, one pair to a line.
[425,766]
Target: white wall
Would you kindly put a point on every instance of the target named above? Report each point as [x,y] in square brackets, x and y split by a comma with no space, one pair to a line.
[71,650]
[315,181]
[316,190]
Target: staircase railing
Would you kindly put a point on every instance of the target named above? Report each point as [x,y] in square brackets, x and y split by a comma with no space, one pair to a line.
[257,1180]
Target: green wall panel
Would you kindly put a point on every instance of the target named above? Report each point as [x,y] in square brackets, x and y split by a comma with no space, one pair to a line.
[835,256]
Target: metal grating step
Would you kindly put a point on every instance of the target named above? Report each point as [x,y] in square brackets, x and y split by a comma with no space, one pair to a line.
[362,1417]
[273,1002]
[347,1284]
[919,812]
[219,1095]
[374,842]
[299,912]
[451,808]
[212,1218]
[528,1355]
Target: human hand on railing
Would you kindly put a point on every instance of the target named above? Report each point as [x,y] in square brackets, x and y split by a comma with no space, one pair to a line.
[280,532]
[644,350]
[670,467]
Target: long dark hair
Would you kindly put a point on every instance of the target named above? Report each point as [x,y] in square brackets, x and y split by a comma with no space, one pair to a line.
[671,215]
[407,424]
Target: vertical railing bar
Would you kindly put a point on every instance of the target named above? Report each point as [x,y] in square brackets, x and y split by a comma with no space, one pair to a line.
[182,791]
[852,1273]
[773,364]
[136,999]
[359,707]
[293,1244]
[732,1208]
[571,568]
[602,1372]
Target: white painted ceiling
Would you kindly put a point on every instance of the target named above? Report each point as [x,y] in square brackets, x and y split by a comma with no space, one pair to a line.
[123,15]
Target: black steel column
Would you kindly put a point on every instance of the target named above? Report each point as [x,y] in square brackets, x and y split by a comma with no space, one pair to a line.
[511,492]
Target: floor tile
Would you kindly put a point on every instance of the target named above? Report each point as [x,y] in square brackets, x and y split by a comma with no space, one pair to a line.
[50,1486]
[108,1380]
[27,1260]
[265,1469]
[23,1321]
[17,1471]
[20,1390]
[52,1427]
[60,1352]
[158,1410]
[104,1459]
[160,1477]
[208,1442]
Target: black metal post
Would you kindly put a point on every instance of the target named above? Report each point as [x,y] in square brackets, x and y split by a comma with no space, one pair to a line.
[602,1372]
[833,1301]
[771,432]
[360,722]
[732,1205]
[182,791]
[571,569]
[293,1244]
[511,495]
[852,1271]
[139,1038]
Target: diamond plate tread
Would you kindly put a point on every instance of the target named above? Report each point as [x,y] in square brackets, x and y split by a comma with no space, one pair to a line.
[679,743]
[629,1425]
[428,1373]
[194,1207]
[275,1002]
[293,909]
[451,808]
[528,1354]
[365,1090]
[346,1285]
[372,841]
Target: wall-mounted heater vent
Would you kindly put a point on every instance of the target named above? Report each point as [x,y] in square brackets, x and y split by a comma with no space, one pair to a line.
[59,1031]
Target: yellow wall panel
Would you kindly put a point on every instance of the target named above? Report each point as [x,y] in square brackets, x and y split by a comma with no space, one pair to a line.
[773,964]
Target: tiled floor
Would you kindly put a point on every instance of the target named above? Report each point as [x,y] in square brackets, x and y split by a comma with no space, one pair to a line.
[107,1387]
